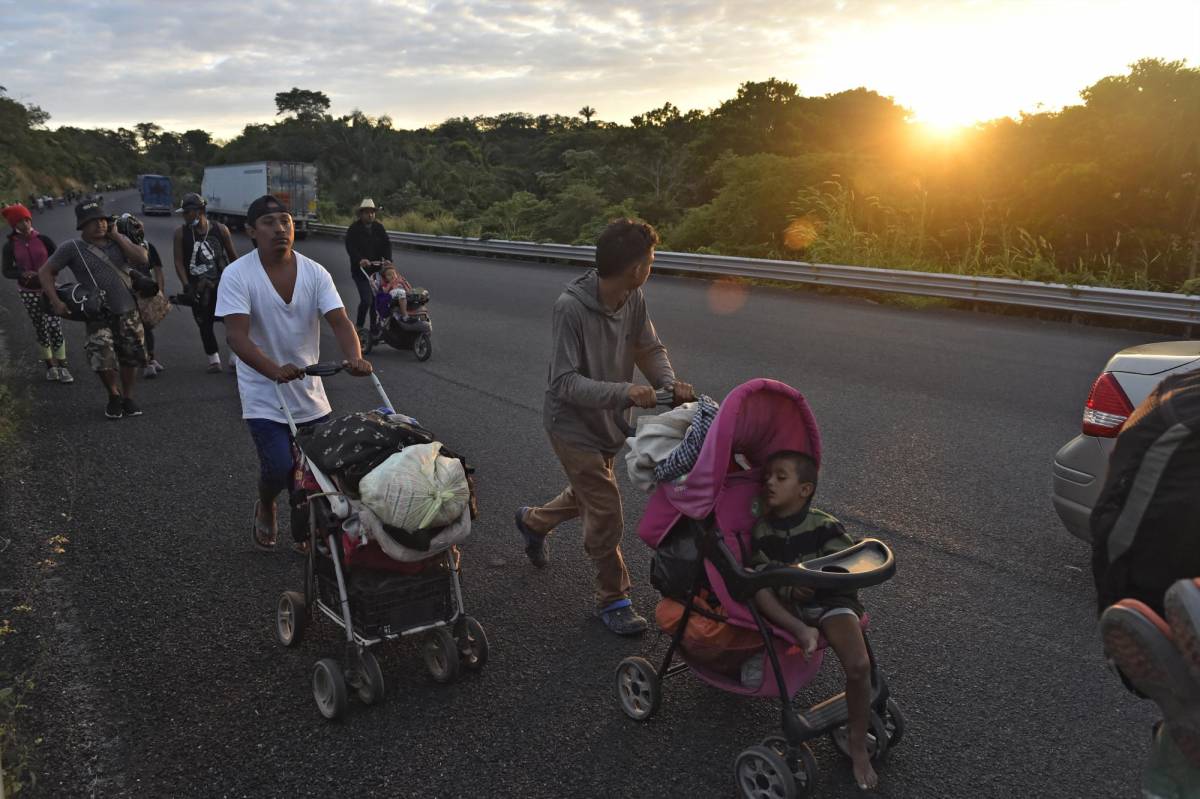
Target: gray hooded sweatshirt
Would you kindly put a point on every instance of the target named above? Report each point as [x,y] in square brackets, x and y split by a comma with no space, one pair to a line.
[591,370]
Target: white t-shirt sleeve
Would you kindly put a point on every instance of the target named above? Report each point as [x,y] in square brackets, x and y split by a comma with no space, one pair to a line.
[233,295]
[328,298]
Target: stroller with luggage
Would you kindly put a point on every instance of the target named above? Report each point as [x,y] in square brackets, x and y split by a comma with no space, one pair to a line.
[402,323]
[700,528]
[360,586]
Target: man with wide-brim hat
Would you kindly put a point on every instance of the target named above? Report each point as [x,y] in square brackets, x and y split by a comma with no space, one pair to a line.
[103,257]
[366,241]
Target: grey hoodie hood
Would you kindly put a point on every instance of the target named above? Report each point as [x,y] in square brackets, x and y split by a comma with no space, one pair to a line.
[591,369]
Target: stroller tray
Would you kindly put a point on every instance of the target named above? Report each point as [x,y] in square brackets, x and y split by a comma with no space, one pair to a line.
[386,603]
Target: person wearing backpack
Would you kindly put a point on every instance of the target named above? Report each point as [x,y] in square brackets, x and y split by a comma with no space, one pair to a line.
[101,259]
[1145,558]
[202,251]
[24,253]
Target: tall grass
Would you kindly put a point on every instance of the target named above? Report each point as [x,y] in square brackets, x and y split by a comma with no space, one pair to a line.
[833,225]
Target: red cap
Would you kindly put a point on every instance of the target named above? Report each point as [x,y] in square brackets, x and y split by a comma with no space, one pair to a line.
[15,213]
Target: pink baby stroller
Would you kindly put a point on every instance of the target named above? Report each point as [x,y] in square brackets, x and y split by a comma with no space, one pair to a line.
[700,528]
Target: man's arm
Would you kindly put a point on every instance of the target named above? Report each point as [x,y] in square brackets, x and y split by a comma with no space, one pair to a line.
[385,242]
[347,338]
[46,275]
[650,354]
[227,241]
[565,378]
[133,253]
[178,248]
[237,336]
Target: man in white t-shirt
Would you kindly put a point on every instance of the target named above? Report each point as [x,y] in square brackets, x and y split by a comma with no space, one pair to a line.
[272,300]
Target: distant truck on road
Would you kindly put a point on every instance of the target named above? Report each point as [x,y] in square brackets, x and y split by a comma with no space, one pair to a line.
[157,197]
[229,189]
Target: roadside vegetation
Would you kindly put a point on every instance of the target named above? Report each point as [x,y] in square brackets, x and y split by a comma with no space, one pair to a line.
[1106,192]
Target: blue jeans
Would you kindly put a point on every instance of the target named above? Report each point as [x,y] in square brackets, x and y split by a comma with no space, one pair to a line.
[273,440]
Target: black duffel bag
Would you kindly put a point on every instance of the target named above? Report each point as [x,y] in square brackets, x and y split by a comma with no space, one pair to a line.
[84,303]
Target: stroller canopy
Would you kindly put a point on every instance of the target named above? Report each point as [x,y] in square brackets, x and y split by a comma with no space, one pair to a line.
[758,418]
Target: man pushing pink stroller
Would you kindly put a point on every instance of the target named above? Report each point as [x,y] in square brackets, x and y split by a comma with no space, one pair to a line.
[756,584]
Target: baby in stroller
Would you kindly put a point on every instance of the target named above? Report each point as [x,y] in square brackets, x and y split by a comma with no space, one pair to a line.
[790,531]
[392,296]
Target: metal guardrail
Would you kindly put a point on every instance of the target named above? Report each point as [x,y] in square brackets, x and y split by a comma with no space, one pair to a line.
[1180,308]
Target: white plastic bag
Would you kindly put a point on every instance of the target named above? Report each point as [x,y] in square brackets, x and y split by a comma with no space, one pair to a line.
[417,488]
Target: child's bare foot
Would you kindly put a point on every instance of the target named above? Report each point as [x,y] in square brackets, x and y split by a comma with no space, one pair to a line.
[864,773]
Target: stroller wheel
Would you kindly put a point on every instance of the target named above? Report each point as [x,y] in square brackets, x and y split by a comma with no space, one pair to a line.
[423,347]
[370,688]
[329,688]
[762,773]
[878,739]
[440,651]
[804,769]
[291,617]
[638,689]
[473,645]
[893,723]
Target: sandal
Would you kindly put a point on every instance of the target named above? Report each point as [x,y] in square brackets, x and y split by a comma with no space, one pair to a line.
[262,536]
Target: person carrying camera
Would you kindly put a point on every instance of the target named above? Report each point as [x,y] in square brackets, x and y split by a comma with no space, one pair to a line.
[102,258]
[202,251]
[147,282]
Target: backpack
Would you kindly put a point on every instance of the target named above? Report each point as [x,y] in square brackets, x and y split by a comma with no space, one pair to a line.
[1146,523]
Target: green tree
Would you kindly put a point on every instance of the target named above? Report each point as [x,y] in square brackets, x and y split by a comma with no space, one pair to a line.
[304,104]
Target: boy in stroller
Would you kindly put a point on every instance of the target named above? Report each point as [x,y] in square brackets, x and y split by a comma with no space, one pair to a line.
[790,531]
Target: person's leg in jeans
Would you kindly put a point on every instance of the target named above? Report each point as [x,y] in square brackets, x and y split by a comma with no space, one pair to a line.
[273,442]
[365,296]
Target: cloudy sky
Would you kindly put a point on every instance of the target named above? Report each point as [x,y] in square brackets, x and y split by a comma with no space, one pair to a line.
[217,64]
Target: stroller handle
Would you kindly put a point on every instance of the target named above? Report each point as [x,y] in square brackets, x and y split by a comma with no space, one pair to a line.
[663,398]
[328,369]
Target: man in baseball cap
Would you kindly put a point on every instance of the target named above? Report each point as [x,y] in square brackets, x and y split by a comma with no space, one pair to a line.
[273,300]
[202,250]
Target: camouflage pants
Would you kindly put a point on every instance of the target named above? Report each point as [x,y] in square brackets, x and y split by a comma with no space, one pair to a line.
[116,342]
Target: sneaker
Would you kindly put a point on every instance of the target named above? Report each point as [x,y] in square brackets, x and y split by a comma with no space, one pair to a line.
[131,408]
[115,408]
[1183,614]
[536,547]
[214,368]
[64,376]
[621,618]
[149,373]
[52,374]
[1142,646]
[158,367]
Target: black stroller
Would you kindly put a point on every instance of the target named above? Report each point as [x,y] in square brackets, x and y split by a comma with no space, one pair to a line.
[371,597]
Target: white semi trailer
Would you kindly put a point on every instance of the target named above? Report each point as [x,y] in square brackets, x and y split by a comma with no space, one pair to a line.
[229,189]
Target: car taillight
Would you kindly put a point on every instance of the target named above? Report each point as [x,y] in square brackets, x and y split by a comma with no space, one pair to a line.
[1107,408]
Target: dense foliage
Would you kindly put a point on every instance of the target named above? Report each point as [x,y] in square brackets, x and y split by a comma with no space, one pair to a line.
[1107,191]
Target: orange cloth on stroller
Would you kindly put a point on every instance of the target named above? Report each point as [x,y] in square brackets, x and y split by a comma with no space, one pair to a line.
[709,642]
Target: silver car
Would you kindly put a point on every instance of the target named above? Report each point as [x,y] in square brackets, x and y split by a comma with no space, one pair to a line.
[1081,465]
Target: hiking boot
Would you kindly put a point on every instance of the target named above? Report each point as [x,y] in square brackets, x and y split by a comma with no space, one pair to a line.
[130,407]
[64,376]
[536,548]
[115,408]
[52,374]
[621,618]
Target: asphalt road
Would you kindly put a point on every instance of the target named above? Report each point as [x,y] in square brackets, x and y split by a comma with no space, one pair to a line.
[939,429]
